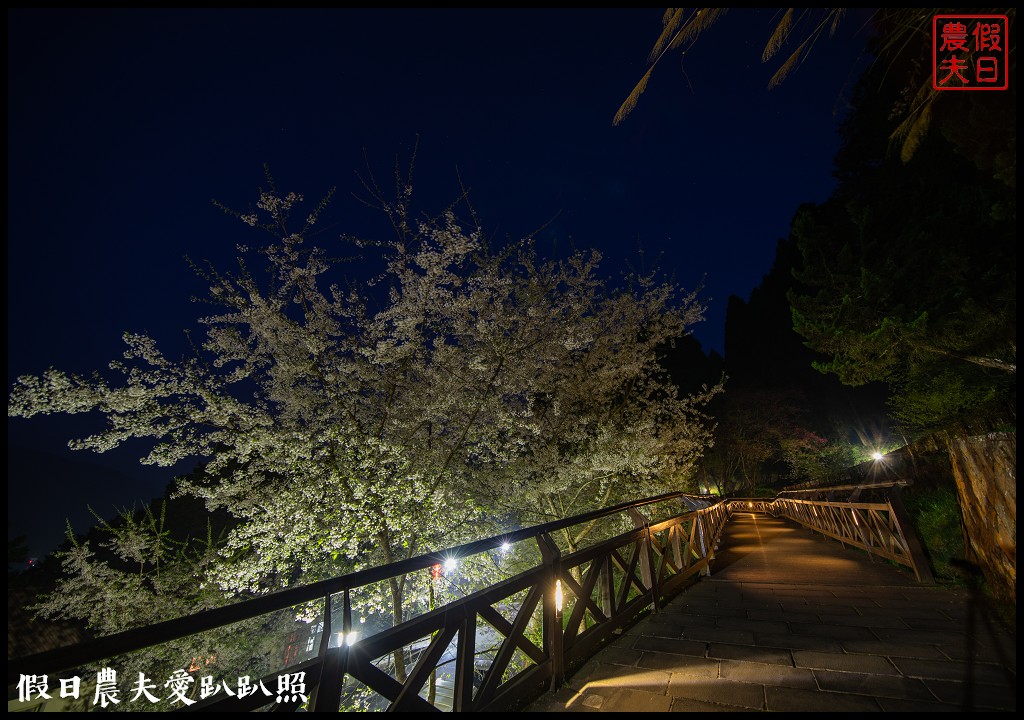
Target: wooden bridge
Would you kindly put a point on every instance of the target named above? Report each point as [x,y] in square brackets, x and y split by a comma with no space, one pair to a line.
[522,622]
[791,621]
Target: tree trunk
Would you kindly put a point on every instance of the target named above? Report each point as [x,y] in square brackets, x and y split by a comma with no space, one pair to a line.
[396,611]
[985,471]
[432,680]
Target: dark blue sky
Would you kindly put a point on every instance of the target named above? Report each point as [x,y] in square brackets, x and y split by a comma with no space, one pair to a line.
[124,124]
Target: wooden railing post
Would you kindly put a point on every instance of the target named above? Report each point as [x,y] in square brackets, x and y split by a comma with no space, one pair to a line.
[553,631]
[327,696]
[607,583]
[707,553]
[677,550]
[466,667]
[648,573]
[917,556]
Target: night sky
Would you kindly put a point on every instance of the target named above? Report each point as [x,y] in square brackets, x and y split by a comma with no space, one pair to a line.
[124,124]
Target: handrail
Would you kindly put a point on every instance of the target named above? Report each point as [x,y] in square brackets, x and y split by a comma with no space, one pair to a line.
[607,586]
[881,528]
[647,563]
[861,486]
[141,638]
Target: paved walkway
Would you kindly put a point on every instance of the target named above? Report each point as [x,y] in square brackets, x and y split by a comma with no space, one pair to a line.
[793,622]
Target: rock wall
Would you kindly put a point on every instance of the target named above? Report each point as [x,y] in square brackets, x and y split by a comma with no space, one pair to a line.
[985,471]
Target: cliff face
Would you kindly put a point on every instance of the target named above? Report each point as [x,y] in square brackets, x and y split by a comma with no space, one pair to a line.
[985,470]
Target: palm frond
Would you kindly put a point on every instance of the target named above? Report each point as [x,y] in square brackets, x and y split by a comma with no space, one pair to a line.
[837,16]
[916,133]
[922,98]
[681,29]
[915,125]
[631,101]
[787,67]
[700,21]
[798,55]
[672,20]
[779,36]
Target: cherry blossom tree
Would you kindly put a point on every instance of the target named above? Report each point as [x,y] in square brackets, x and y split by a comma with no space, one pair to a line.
[347,420]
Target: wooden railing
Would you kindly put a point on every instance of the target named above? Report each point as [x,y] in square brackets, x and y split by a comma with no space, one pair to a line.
[540,623]
[866,516]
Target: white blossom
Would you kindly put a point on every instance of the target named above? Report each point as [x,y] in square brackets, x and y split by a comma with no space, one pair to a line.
[348,428]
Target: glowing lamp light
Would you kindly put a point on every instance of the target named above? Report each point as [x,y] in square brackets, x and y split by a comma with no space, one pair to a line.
[558,595]
[450,564]
[876,455]
[346,638]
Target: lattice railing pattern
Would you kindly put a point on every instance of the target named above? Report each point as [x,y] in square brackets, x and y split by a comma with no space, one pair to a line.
[881,529]
[485,651]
